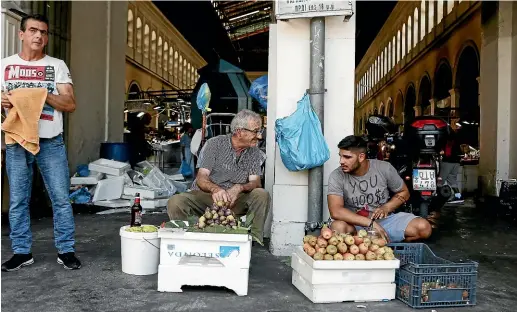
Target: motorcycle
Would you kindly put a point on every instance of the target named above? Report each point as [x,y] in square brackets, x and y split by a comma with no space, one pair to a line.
[416,156]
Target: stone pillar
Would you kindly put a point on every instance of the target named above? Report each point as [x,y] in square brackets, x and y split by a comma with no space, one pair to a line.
[498,90]
[455,102]
[289,61]
[418,110]
[97,65]
[433,106]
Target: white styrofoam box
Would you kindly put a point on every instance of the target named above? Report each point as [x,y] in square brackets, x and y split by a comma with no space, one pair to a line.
[231,250]
[109,189]
[115,203]
[343,272]
[153,203]
[92,179]
[107,166]
[177,177]
[331,293]
[145,192]
[202,272]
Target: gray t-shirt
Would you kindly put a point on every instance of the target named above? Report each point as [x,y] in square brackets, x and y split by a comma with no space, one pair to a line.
[370,190]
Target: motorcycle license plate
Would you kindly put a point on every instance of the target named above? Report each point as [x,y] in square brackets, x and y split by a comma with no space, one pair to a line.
[429,141]
[424,180]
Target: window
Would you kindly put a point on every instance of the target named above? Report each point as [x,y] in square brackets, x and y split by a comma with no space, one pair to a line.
[159,57]
[399,44]
[439,11]
[130,26]
[450,6]
[153,47]
[409,33]
[189,77]
[423,18]
[184,79]
[139,35]
[180,72]
[175,66]
[166,56]
[430,17]
[403,51]
[393,52]
[416,39]
[171,61]
[146,41]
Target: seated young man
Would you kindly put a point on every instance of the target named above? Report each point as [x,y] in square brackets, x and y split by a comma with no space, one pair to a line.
[358,196]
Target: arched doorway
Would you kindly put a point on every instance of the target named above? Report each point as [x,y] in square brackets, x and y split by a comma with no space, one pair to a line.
[390,108]
[134,91]
[424,95]
[381,109]
[409,105]
[442,85]
[466,81]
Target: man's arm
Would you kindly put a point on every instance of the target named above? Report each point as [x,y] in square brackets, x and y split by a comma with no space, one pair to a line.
[65,101]
[254,182]
[204,183]
[339,212]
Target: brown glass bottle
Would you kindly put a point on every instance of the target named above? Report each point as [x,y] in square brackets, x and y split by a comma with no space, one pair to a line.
[136,212]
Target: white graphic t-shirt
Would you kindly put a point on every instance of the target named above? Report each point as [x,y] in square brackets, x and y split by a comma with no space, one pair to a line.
[44,73]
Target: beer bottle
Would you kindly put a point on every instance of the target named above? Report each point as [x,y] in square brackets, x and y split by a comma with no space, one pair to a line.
[136,212]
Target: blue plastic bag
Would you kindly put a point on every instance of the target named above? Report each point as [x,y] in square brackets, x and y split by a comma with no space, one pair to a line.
[185,169]
[203,97]
[258,91]
[300,139]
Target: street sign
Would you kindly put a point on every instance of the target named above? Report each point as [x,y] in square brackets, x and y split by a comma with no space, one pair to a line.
[287,9]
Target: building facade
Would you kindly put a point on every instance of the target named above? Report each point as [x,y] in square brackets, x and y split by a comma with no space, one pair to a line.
[157,56]
[441,58]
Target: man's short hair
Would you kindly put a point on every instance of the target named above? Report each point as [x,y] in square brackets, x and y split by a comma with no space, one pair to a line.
[36,17]
[353,143]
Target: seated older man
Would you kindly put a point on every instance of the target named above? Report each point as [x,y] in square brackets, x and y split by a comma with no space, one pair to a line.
[229,171]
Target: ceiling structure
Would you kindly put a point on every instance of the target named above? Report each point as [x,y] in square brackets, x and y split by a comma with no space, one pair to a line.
[243,19]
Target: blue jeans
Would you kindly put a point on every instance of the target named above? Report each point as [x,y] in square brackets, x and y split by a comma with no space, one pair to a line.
[53,164]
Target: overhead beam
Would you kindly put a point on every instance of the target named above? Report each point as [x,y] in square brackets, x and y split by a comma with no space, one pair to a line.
[254,7]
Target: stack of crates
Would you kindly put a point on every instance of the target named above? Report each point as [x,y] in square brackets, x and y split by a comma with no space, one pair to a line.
[427,281]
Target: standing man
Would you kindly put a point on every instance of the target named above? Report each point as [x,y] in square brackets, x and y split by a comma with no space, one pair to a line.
[32,68]
[450,167]
[359,196]
[230,167]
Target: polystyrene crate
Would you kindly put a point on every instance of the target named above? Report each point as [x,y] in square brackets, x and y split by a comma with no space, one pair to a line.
[196,271]
[337,281]
[230,250]
[92,179]
[110,167]
[427,281]
[343,272]
[145,192]
[331,293]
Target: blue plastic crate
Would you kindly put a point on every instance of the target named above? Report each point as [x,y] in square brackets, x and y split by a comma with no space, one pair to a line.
[427,281]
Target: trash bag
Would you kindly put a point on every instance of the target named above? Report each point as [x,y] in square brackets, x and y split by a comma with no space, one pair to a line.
[185,169]
[258,91]
[300,139]
[203,97]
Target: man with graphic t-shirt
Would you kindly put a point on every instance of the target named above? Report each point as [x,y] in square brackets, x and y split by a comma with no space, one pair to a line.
[359,196]
[33,69]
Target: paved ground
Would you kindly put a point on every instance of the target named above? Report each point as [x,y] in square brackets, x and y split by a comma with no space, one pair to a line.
[101,286]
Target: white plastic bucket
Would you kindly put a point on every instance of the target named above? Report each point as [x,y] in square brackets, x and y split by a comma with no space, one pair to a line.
[140,252]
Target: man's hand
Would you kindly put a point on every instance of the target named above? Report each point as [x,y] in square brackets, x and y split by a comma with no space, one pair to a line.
[379,229]
[220,195]
[380,213]
[5,101]
[234,192]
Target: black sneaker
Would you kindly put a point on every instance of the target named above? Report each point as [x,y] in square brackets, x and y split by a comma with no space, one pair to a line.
[17,261]
[69,261]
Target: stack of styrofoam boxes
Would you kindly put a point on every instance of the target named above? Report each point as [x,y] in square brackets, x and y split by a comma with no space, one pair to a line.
[203,259]
[338,281]
[109,190]
[151,198]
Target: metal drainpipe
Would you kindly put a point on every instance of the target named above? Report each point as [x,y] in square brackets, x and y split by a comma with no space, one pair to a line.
[317,92]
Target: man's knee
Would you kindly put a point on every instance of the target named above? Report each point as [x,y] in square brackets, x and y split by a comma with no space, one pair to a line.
[260,194]
[176,206]
[421,228]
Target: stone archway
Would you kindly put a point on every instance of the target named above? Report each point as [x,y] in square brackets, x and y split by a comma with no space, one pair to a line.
[442,86]
[424,96]
[468,88]
[409,105]
[134,91]
[382,109]
[399,108]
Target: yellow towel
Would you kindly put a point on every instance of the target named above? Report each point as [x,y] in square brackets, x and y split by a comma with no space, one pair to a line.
[22,122]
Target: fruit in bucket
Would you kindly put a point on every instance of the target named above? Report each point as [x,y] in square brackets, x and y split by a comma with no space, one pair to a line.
[311,251]
[354,249]
[349,256]
[322,242]
[318,256]
[342,248]
[363,249]
[333,241]
[338,256]
[370,255]
[321,250]
[362,233]
[326,233]
[328,257]
[331,250]
[349,240]
[360,257]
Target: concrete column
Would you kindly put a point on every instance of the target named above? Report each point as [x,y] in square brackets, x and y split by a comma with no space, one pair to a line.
[498,90]
[433,105]
[289,61]
[97,58]
[455,101]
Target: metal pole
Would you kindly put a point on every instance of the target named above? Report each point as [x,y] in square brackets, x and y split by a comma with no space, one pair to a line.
[317,92]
